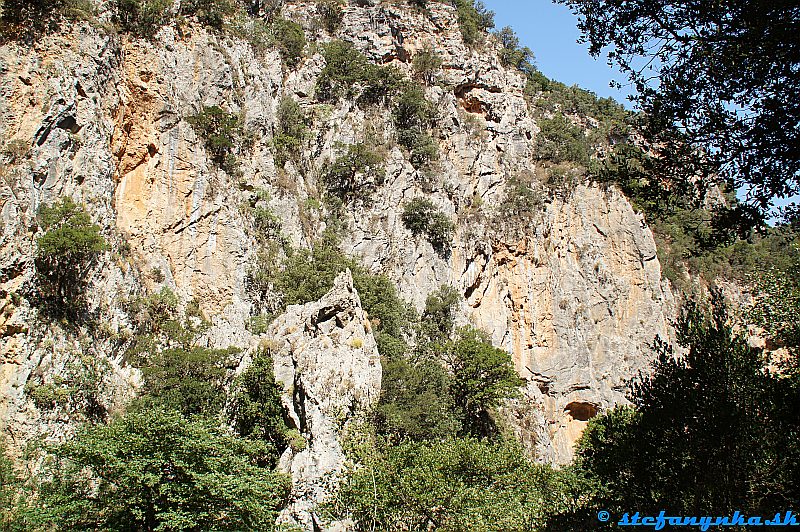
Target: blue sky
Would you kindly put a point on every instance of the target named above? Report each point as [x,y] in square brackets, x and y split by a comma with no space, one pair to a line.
[551,31]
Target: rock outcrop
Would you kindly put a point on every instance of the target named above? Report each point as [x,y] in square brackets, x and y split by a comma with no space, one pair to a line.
[326,359]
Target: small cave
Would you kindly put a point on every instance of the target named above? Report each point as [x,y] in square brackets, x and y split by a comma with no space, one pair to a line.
[469,102]
[580,411]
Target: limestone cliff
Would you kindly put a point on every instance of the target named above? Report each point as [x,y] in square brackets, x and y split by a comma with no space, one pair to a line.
[573,291]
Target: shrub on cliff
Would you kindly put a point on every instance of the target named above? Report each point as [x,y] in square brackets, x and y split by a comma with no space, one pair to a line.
[511,54]
[142,17]
[474,20]
[70,245]
[25,18]
[562,141]
[355,174]
[420,216]
[330,13]
[426,64]
[290,39]
[221,132]
[349,74]
[290,129]
[412,115]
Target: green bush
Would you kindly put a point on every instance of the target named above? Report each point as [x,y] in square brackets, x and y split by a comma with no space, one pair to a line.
[76,390]
[454,484]
[266,224]
[330,13]
[152,313]
[483,376]
[212,13]
[221,132]
[422,148]
[290,39]
[420,216]
[290,130]
[155,470]
[354,175]
[66,251]
[412,116]
[349,74]
[308,275]
[520,200]
[562,141]
[256,409]
[26,18]
[142,17]
[438,318]
[474,20]
[191,381]
[511,55]
[426,64]
[415,402]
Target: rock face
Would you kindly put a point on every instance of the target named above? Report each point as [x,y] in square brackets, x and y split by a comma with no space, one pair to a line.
[327,361]
[572,290]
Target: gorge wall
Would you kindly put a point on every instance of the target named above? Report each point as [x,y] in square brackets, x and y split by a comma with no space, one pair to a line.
[573,290]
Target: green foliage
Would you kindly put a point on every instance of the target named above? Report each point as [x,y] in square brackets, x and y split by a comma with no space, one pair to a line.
[308,275]
[11,491]
[26,18]
[474,20]
[76,390]
[349,74]
[158,324]
[412,115]
[191,381]
[438,319]
[256,411]
[156,470]
[266,224]
[221,132]
[776,308]
[290,39]
[142,17]
[420,216]
[453,485]
[212,13]
[154,313]
[290,130]
[426,63]
[520,200]
[562,141]
[330,13]
[415,402]
[713,431]
[66,251]
[354,175]
[511,55]
[729,100]
[483,376]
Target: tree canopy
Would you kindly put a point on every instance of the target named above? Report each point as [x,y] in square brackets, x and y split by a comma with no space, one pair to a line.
[722,75]
[711,431]
[156,470]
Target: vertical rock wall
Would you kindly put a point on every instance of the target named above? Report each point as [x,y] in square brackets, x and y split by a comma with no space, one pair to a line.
[573,291]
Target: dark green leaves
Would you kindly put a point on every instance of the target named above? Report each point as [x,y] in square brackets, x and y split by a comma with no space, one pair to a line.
[156,470]
[69,246]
